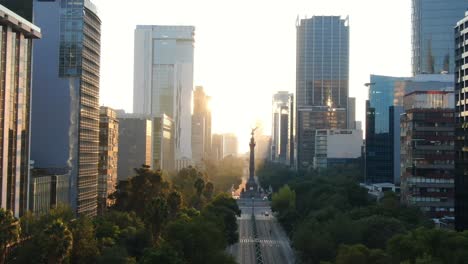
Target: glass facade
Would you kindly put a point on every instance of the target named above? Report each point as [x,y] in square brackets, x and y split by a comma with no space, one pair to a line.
[461,126]
[322,79]
[72,139]
[432,36]
[427,152]
[108,156]
[15,92]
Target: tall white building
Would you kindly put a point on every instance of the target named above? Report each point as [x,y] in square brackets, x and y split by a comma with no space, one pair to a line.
[163,79]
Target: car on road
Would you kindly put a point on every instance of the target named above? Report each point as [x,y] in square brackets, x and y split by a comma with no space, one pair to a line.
[267,214]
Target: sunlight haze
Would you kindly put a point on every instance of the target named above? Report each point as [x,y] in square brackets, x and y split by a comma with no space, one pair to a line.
[246,50]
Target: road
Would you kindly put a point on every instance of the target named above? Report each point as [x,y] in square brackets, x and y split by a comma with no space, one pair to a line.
[273,241]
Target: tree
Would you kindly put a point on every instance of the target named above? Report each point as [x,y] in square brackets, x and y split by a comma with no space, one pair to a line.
[174,202]
[9,232]
[163,254]
[85,247]
[209,191]
[57,242]
[284,200]
[360,254]
[155,215]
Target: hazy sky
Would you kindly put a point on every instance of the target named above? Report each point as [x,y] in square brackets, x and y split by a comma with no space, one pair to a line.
[245,50]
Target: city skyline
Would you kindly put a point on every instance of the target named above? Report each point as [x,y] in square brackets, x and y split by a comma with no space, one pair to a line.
[229,43]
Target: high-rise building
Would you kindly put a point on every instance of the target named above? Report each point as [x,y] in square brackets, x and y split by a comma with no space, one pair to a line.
[163,143]
[230,145]
[163,79]
[65,100]
[217,147]
[352,113]
[432,34]
[383,120]
[201,127]
[337,147]
[322,80]
[135,144]
[461,126]
[49,188]
[280,126]
[427,152]
[108,156]
[15,94]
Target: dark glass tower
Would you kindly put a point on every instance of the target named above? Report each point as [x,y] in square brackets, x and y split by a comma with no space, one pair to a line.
[432,41]
[461,126]
[322,79]
[65,122]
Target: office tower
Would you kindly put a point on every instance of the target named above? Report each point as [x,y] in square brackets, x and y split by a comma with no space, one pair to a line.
[163,144]
[337,147]
[280,126]
[291,155]
[22,8]
[108,156]
[49,188]
[163,79]
[230,145]
[383,120]
[217,147]
[461,126]
[427,152]
[65,100]
[351,113]
[432,34]
[201,127]
[15,92]
[322,77]
[135,144]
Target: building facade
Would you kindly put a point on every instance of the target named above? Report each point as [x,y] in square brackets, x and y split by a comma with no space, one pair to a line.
[135,144]
[65,101]
[49,188]
[230,145]
[432,34]
[201,127]
[280,126]
[17,36]
[322,80]
[383,111]
[163,144]
[217,147]
[461,126]
[163,79]
[108,156]
[427,152]
[337,147]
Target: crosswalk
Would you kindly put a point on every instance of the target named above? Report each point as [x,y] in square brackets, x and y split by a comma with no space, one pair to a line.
[261,241]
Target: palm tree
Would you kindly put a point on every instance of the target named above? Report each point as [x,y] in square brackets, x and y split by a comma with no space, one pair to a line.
[9,232]
[58,242]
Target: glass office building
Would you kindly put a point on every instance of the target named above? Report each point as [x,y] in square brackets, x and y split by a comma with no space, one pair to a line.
[163,79]
[383,111]
[432,34]
[461,125]
[65,101]
[322,80]
[16,37]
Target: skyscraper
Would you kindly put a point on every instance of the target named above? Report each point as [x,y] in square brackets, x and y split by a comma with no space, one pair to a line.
[280,126]
[461,126]
[383,120]
[108,156]
[427,152]
[201,127]
[432,34]
[15,91]
[163,79]
[65,100]
[322,79]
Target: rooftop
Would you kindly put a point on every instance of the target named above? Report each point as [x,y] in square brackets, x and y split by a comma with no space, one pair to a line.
[12,19]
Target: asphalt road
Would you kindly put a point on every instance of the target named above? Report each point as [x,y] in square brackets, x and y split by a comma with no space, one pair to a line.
[273,241]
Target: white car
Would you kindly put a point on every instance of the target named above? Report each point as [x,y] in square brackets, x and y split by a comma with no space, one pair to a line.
[267,214]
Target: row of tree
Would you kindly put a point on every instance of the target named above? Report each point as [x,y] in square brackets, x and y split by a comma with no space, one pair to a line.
[330,219]
[154,220]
